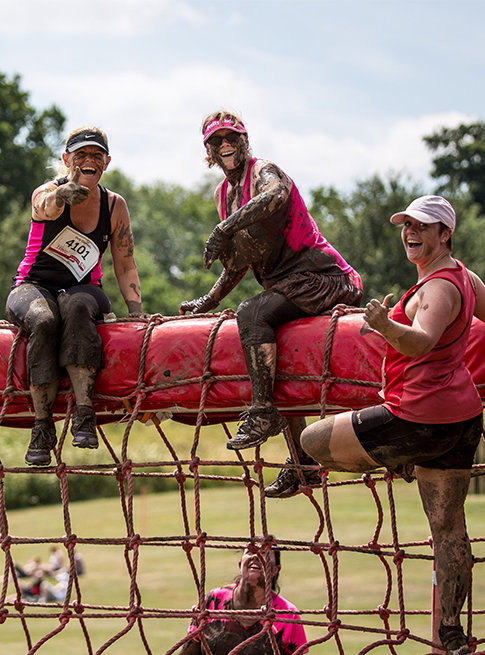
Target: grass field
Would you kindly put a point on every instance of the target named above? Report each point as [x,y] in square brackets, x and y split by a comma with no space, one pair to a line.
[165,579]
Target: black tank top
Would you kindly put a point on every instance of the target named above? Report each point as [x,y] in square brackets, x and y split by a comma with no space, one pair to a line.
[59,256]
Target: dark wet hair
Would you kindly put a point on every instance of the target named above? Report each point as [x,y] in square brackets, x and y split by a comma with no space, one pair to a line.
[449,243]
[277,561]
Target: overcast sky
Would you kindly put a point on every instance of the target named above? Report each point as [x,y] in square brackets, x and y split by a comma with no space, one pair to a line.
[332,91]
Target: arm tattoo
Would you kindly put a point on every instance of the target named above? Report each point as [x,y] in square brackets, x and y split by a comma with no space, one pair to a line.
[124,239]
[135,289]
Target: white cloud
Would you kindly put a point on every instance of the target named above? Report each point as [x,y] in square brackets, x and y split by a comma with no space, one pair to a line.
[316,157]
[154,127]
[110,18]
[153,122]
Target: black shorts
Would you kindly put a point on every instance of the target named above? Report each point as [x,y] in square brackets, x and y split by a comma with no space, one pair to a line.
[391,441]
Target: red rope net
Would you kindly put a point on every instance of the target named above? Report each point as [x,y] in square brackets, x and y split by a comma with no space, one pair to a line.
[385,626]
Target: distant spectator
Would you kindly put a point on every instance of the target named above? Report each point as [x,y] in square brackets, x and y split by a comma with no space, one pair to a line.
[54,592]
[56,559]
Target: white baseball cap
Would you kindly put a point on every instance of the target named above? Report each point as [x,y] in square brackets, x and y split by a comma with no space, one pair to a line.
[428,209]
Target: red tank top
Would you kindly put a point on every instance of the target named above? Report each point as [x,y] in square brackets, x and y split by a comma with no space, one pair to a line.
[436,387]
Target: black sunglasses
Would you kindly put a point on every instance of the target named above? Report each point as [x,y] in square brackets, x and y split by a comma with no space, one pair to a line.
[216,140]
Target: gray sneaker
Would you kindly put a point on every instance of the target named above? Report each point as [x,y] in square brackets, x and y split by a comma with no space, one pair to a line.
[258,425]
[83,427]
[42,441]
[454,640]
[288,482]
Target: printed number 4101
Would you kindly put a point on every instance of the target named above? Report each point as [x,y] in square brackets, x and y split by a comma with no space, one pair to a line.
[78,247]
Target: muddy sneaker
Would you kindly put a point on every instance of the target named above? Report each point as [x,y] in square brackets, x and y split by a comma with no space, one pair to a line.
[454,640]
[258,425]
[42,441]
[83,427]
[288,482]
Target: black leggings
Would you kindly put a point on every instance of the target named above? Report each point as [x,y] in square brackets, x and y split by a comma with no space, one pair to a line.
[61,327]
[259,317]
[297,296]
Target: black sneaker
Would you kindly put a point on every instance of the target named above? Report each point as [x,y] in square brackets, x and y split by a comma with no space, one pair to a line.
[83,427]
[42,441]
[288,482]
[454,640]
[258,425]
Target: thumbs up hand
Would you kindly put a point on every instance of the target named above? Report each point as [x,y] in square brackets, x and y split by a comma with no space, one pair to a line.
[375,313]
[72,192]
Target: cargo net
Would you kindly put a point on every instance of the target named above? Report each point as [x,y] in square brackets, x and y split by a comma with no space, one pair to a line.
[359,600]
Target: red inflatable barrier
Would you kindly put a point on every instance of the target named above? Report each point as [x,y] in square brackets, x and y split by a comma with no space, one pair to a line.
[185,364]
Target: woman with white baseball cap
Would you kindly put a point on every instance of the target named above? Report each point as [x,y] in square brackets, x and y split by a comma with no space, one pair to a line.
[431,417]
[428,209]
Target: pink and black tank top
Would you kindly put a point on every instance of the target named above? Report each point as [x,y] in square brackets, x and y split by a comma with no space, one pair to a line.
[59,256]
[436,387]
[288,241]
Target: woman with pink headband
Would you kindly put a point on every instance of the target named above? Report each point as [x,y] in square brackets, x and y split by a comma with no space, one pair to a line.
[266,226]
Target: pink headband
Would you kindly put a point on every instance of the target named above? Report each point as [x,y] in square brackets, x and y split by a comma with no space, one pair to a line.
[227,124]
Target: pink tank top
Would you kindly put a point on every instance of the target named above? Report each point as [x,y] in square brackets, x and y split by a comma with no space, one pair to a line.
[291,238]
[436,387]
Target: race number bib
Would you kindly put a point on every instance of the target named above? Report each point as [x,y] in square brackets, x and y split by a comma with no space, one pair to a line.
[75,250]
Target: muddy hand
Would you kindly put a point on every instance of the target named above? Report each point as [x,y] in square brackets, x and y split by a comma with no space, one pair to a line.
[198,306]
[72,192]
[215,244]
[375,313]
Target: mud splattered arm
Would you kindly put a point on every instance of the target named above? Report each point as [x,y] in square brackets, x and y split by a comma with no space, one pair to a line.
[49,199]
[122,252]
[224,285]
[272,188]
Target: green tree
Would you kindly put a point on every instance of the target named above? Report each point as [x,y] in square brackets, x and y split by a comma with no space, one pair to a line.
[357,224]
[29,140]
[170,227]
[14,230]
[469,238]
[460,160]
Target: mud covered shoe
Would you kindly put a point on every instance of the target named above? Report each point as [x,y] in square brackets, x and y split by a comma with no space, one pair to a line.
[42,441]
[454,640]
[288,481]
[258,425]
[83,427]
